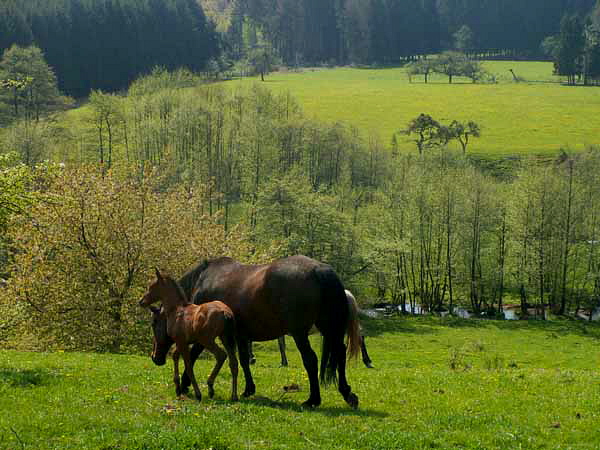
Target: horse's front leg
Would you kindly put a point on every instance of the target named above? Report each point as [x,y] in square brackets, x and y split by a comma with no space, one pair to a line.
[250,388]
[189,368]
[176,373]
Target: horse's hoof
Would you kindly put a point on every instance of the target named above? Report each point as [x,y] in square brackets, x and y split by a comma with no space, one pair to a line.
[234,398]
[311,404]
[284,364]
[352,400]
[369,366]
[199,397]
[211,391]
[249,392]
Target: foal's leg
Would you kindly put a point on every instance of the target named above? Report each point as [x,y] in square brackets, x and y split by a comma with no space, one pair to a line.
[194,354]
[281,342]
[233,366]
[176,373]
[311,363]
[189,368]
[220,356]
[250,388]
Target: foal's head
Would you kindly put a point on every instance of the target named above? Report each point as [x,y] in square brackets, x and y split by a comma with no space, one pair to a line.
[164,289]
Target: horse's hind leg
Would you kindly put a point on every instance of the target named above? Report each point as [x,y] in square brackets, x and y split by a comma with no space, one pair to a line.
[311,364]
[343,385]
[220,357]
[194,354]
[281,342]
[242,345]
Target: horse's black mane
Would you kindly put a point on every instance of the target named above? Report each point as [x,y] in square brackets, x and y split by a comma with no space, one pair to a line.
[188,280]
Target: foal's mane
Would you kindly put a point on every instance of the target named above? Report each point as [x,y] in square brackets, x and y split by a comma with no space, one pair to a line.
[178,289]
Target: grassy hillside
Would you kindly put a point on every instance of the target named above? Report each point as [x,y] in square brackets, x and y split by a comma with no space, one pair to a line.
[536,116]
[437,384]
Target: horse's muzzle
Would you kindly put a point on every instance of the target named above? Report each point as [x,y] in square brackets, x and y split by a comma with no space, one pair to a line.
[159,361]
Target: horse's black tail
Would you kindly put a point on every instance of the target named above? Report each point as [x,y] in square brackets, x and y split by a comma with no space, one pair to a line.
[333,322]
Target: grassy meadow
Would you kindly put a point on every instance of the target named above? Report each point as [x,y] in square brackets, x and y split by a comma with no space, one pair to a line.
[537,116]
[438,383]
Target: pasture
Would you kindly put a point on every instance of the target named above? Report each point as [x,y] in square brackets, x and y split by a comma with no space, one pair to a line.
[438,383]
[537,116]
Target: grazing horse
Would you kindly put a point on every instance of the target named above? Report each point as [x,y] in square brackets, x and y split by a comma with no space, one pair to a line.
[184,323]
[363,348]
[287,296]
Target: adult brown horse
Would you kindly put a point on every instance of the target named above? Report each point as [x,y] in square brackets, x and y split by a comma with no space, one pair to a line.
[288,296]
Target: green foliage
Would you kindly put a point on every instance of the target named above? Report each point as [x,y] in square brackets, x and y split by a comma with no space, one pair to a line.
[85,255]
[29,84]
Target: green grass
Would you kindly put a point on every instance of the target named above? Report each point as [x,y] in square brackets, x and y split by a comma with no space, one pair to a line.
[538,116]
[437,384]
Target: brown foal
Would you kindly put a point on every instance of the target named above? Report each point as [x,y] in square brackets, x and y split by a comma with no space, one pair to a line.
[187,323]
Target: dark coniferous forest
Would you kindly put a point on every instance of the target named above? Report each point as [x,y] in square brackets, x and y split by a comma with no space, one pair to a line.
[105,44]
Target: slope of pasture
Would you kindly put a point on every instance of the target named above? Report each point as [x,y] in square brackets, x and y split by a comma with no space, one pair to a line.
[537,116]
[438,383]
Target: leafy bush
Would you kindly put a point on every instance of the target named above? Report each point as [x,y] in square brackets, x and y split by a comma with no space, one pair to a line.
[84,256]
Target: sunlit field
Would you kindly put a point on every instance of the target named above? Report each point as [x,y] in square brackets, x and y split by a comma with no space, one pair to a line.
[538,115]
[438,383]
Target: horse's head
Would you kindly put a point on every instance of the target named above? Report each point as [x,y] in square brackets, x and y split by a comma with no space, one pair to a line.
[162,341]
[154,291]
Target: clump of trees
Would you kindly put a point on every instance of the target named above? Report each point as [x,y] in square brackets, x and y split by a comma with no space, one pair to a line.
[28,86]
[432,134]
[576,49]
[450,64]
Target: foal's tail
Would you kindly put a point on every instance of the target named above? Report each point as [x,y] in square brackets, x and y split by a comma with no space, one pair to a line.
[228,337]
[336,321]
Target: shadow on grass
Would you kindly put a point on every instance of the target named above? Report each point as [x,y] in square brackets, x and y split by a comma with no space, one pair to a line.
[25,378]
[296,405]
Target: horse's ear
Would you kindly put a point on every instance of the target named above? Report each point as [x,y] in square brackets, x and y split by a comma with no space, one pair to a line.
[158,274]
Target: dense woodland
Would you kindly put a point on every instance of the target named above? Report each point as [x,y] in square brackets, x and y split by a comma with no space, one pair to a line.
[105,44]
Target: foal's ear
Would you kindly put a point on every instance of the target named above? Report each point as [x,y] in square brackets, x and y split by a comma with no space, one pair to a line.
[158,274]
